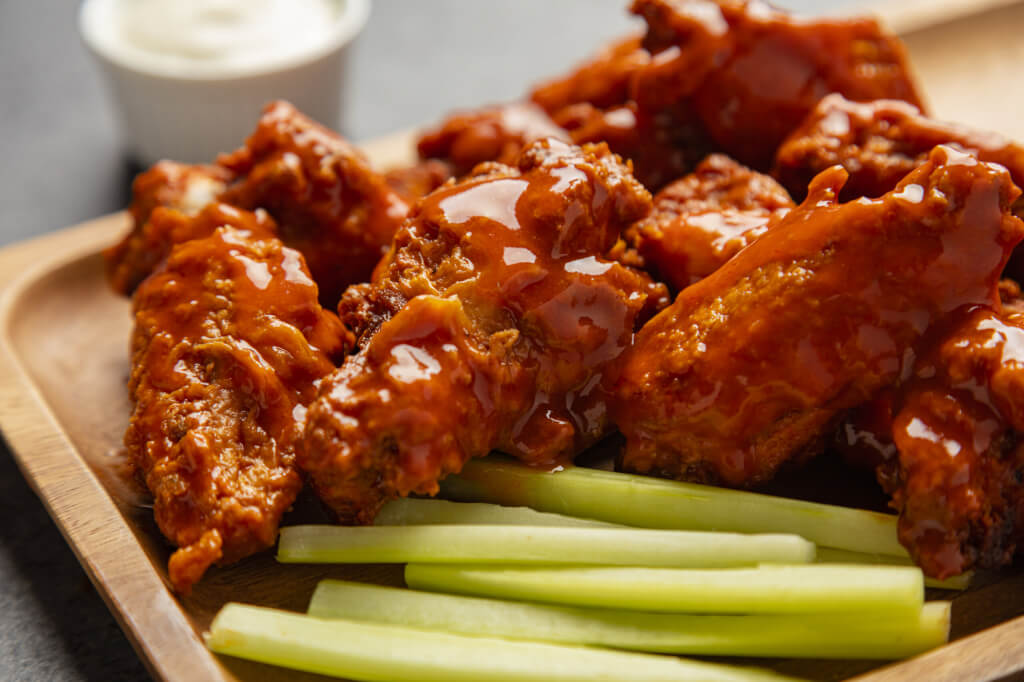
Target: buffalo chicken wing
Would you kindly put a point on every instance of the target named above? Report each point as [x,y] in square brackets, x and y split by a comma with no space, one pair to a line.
[229,345]
[698,82]
[878,143]
[169,186]
[324,197]
[499,320]
[752,366]
[703,219]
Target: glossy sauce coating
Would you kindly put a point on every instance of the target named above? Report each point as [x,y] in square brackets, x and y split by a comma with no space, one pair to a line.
[750,367]
[170,185]
[229,344]
[703,219]
[662,145]
[958,481]
[327,200]
[496,133]
[878,143]
[763,69]
[500,321]
[735,76]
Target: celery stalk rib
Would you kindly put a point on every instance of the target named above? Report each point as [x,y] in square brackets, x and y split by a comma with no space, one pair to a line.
[536,544]
[655,503]
[844,635]
[415,511]
[411,511]
[830,555]
[815,588]
[366,651]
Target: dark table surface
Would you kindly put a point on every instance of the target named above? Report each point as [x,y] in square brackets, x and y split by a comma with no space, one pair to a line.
[61,163]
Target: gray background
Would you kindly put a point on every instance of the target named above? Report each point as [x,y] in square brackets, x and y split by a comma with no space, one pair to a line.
[62,163]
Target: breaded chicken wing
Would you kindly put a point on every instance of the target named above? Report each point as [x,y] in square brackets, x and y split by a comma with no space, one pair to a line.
[734,76]
[321,192]
[326,199]
[752,366]
[878,143]
[175,186]
[228,347]
[499,322]
[703,219]
[496,133]
[958,478]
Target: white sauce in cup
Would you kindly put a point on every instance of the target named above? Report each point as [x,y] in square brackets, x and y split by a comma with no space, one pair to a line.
[225,32]
[205,37]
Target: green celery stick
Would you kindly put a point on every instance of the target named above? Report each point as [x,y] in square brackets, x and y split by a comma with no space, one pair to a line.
[830,555]
[411,511]
[839,635]
[536,544]
[408,511]
[366,651]
[656,503]
[814,588]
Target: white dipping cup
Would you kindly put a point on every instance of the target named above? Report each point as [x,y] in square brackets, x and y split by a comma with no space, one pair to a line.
[168,113]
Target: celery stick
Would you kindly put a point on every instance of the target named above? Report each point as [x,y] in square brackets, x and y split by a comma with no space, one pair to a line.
[656,503]
[830,555]
[365,651]
[536,544]
[816,588]
[850,635]
[410,511]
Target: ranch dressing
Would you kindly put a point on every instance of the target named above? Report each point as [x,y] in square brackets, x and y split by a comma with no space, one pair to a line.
[189,34]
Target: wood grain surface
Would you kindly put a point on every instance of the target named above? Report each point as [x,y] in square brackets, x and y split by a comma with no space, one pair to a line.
[64,407]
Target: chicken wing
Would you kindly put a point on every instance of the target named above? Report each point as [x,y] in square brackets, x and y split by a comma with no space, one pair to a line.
[327,200]
[752,366]
[175,186]
[958,479]
[495,133]
[229,345]
[500,321]
[878,143]
[696,82]
[703,219]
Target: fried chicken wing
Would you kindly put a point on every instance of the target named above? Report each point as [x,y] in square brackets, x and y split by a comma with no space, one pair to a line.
[166,227]
[495,133]
[878,143]
[864,438]
[752,366]
[663,144]
[697,82]
[327,200]
[703,219]
[323,195]
[182,188]
[722,54]
[229,345]
[958,479]
[499,322]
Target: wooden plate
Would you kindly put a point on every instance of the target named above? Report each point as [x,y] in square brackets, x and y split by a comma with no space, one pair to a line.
[64,408]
